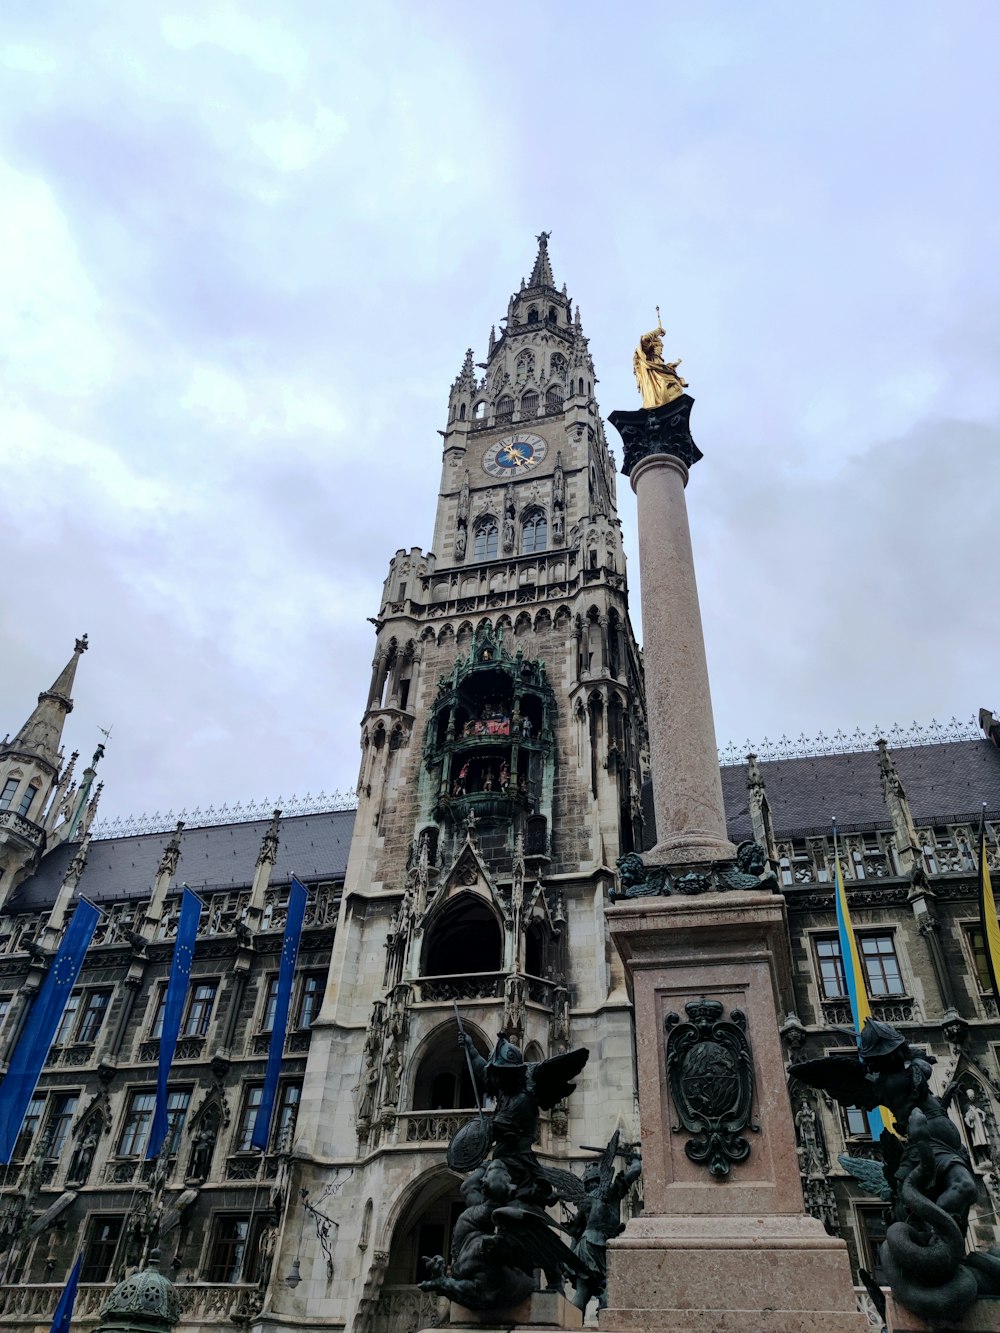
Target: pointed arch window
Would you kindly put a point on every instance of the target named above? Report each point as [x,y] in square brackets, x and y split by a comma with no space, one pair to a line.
[525,364]
[505,408]
[27,800]
[529,404]
[486,540]
[553,400]
[534,532]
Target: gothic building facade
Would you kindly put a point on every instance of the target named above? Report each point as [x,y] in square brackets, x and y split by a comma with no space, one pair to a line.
[501,776]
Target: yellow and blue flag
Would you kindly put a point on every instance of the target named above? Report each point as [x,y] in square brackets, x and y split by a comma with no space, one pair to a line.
[857,991]
[286,975]
[33,1045]
[988,912]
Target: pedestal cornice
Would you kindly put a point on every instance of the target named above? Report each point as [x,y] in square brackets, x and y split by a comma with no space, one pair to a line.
[657,431]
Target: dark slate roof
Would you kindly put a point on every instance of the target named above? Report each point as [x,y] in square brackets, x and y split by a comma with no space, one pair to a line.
[222,856]
[944,783]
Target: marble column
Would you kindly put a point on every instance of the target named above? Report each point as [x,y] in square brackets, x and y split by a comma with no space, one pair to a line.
[687,788]
[724,1243]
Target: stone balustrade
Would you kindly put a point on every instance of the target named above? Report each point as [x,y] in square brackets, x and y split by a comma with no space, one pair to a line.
[27,1305]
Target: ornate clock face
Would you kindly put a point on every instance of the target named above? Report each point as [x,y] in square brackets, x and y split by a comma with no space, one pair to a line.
[514,455]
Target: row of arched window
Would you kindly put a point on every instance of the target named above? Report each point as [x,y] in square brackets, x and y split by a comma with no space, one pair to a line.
[486,536]
[529,404]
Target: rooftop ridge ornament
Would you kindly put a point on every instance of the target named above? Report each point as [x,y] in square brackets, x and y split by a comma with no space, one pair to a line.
[855,742]
[251,812]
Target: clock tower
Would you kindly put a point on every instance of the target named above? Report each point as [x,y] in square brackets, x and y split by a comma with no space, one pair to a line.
[502,757]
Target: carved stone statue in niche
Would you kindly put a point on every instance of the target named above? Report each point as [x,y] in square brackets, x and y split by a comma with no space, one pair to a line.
[508,536]
[203,1148]
[513,1018]
[83,1157]
[977,1126]
[558,484]
[812,1159]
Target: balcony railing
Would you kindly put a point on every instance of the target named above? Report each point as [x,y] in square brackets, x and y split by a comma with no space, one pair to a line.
[296,1043]
[35,1303]
[465,986]
[22,828]
[431,1126]
[837,1013]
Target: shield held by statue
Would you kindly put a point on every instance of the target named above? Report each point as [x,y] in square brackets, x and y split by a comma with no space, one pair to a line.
[470,1144]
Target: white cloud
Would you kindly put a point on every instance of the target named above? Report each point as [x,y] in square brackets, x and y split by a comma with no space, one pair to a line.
[269,46]
[51,314]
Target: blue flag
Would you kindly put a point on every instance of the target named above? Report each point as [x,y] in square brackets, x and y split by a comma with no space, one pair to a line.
[64,1310]
[33,1045]
[173,1012]
[289,953]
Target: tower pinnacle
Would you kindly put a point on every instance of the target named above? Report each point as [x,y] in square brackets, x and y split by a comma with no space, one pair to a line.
[541,274]
[40,736]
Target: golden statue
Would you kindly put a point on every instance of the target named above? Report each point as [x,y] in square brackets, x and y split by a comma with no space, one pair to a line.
[658,380]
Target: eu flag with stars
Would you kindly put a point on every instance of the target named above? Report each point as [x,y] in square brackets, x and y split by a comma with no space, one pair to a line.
[173,1012]
[62,1319]
[286,973]
[32,1049]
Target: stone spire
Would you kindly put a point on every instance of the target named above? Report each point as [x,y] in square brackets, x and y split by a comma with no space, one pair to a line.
[541,274]
[760,810]
[467,375]
[165,872]
[57,917]
[29,778]
[39,738]
[77,805]
[266,858]
[907,846]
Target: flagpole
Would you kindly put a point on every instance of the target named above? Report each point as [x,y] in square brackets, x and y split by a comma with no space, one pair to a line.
[988,912]
[854,978]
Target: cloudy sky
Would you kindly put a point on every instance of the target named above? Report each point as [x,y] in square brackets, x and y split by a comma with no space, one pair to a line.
[243,247]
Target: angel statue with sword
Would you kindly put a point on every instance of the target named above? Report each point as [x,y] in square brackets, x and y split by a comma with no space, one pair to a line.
[504,1234]
[521,1090]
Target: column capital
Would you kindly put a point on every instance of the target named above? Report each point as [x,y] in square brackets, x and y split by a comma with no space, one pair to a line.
[659,430]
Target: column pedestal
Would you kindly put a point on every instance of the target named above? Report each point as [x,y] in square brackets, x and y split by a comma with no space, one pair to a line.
[542,1310]
[735,1251]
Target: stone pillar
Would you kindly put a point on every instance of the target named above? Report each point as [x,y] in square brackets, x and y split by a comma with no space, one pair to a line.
[687,788]
[724,1244]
